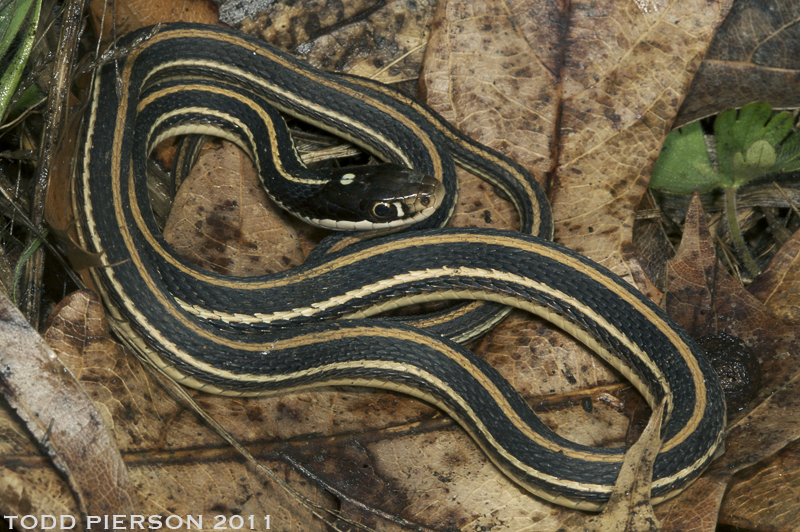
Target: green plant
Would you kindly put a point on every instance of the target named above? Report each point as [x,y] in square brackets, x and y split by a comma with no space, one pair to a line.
[13,13]
[751,143]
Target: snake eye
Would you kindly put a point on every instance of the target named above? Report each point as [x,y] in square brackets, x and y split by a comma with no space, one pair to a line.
[382,211]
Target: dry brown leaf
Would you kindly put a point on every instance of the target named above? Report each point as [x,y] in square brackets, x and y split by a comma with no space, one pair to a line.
[178,465]
[778,286]
[222,219]
[627,68]
[652,248]
[491,73]
[629,508]
[753,58]
[695,510]
[774,483]
[384,40]
[114,19]
[64,421]
[704,299]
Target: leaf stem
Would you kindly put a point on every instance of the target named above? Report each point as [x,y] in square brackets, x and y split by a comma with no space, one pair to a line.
[736,233]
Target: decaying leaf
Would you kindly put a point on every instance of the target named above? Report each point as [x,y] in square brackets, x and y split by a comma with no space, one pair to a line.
[178,465]
[773,484]
[383,40]
[778,287]
[219,220]
[753,58]
[65,423]
[488,72]
[617,111]
[629,508]
[704,299]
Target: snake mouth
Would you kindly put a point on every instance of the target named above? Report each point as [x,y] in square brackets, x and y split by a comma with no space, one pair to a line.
[418,197]
[375,197]
[429,197]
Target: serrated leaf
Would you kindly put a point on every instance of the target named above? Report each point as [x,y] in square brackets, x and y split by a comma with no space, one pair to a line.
[759,160]
[738,131]
[761,155]
[788,156]
[684,165]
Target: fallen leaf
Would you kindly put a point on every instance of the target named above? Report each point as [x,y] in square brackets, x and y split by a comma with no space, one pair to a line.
[64,422]
[754,492]
[178,465]
[629,508]
[383,40]
[616,113]
[753,58]
[778,286]
[114,19]
[222,219]
[705,299]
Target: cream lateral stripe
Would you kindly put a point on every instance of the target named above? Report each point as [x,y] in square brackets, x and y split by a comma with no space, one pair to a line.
[347,260]
[264,116]
[455,294]
[187,358]
[202,129]
[425,322]
[156,359]
[115,159]
[704,459]
[431,148]
[494,447]
[88,217]
[311,339]
[668,331]
[166,255]
[398,152]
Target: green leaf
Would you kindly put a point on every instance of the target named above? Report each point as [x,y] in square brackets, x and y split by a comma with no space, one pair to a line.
[750,142]
[10,80]
[788,157]
[12,15]
[751,128]
[683,165]
[761,155]
[758,161]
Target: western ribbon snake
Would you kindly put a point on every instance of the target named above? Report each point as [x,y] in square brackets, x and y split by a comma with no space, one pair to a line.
[278,333]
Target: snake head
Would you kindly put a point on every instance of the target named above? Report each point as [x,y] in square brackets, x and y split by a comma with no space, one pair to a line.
[378,197]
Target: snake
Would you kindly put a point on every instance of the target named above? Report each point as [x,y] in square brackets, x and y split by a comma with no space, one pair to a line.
[322,323]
